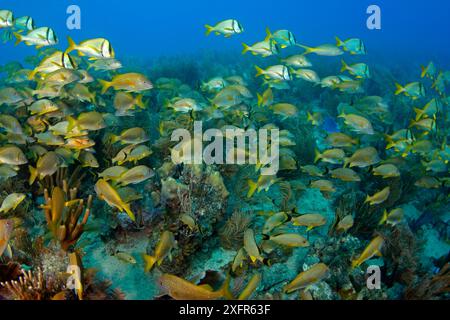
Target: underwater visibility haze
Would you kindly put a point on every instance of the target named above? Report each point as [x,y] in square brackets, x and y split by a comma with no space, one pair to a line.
[197,150]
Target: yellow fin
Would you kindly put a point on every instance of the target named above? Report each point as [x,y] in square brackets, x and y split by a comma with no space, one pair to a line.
[72,45]
[252,188]
[209,29]
[105,85]
[149,262]
[399,89]
[246,48]
[259,71]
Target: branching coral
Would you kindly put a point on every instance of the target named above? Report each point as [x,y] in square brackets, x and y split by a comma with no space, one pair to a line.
[63,211]
[9,271]
[431,288]
[42,285]
[61,177]
[29,286]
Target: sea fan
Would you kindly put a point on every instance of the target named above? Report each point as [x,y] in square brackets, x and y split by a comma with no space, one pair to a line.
[232,233]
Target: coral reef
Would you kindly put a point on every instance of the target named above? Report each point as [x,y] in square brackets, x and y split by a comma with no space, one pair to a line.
[63,211]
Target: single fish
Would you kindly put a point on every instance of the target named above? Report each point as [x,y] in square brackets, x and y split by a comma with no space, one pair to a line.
[162,251]
[251,287]
[393,218]
[276,72]
[129,82]
[251,247]
[372,249]
[109,194]
[135,175]
[309,220]
[46,166]
[329,50]
[354,46]
[379,197]
[94,48]
[181,289]
[12,155]
[414,90]
[227,28]
[40,37]
[11,202]
[6,229]
[292,240]
[307,278]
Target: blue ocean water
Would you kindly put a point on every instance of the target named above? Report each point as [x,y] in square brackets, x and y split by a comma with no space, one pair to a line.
[410,29]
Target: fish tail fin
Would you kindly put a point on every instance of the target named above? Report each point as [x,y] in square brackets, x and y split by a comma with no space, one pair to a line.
[19,38]
[209,29]
[139,102]
[161,128]
[339,42]
[33,175]
[72,45]
[424,71]
[114,138]
[399,89]
[344,66]
[390,145]
[268,34]
[225,289]
[246,48]
[367,199]
[126,207]
[384,218]
[259,71]
[419,113]
[308,50]
[93,96]
[105,85]
[149,262]
[317,156]
[72,123]
[252,188]
[32,74]
[346,162]
[260,99]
